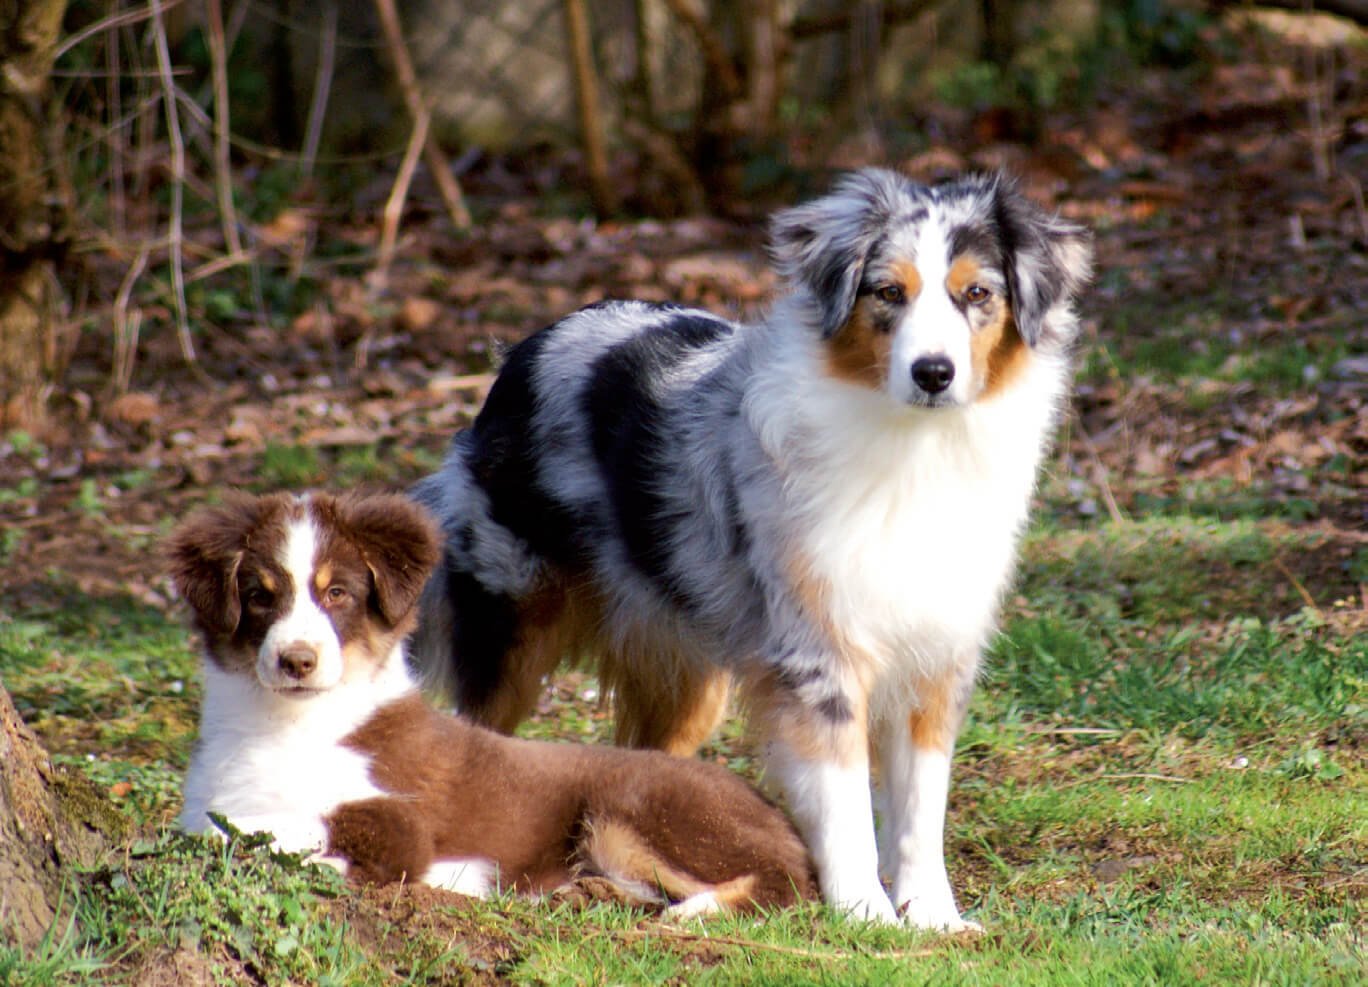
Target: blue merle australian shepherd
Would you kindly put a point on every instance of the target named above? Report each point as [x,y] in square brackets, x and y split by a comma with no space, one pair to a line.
[819,510]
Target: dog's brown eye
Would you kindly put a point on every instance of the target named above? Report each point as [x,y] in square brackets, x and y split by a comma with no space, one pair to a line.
[892,294]
[336,594]
[257,598]
[977,294]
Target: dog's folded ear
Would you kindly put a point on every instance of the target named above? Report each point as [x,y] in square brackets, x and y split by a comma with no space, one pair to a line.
[821,247]
[1050,260]
[400,544]
[202,557]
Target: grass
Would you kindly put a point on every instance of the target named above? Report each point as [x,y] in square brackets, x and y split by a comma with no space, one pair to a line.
[1161,782]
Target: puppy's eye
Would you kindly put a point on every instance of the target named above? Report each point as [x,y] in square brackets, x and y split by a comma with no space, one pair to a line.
[977,294]
[890,294]
[258,598]
[336,594]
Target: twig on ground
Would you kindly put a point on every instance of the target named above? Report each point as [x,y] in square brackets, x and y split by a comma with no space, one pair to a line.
[1070,731]
[1146,776]
[663,931]
[126,330]
[1100,474]
[1296,583]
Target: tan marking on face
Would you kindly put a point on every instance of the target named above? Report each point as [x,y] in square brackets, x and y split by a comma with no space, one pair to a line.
[268,582]
[860,351]
[996,349]
[323,577]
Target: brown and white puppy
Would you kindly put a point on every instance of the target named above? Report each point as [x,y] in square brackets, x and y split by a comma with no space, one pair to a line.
[313,730]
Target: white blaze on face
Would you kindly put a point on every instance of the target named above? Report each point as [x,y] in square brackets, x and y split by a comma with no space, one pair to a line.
[304,627]
[934,326]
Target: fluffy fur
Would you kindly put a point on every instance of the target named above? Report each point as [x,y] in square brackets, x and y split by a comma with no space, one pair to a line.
[821,508]
[312,729]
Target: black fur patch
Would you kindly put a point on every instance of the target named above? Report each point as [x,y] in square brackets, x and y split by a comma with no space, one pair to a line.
[981,241]
[486,626]
[503,458]
[627,430]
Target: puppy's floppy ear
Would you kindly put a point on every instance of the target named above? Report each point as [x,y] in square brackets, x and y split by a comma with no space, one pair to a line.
[202,558]
[400,544]
[1048,259]
[821,247]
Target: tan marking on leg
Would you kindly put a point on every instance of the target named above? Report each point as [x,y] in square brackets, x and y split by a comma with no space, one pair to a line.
[774,713]
[663,698]
[555,622]
[812,592]
[935,721]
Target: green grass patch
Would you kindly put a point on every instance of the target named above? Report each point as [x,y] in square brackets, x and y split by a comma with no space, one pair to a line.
[1161,781]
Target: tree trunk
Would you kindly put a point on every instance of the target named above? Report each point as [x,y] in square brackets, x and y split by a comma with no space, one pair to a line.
[33,343]
[50,819]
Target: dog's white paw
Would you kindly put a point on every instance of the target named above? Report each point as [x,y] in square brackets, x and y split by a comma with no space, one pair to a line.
[338,864]
[872,906]
[695,906]
[936,916]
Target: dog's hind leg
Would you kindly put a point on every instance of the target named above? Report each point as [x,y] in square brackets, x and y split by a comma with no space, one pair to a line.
[618,852]
[672,705]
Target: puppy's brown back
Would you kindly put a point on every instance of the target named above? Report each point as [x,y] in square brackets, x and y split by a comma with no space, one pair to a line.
[545,812]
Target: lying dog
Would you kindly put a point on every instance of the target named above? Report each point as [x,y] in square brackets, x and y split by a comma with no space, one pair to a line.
[823,507]
[312,729]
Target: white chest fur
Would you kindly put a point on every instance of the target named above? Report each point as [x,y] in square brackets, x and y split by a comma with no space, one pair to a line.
[272,763]
[909,518]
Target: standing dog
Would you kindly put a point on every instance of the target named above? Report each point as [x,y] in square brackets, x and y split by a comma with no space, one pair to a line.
[312,729]
[822,507]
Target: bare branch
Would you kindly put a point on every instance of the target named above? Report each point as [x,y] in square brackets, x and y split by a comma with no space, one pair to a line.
[586,100]
[175,235]
[327,53]
[714,51]
[447,185]
[223,168]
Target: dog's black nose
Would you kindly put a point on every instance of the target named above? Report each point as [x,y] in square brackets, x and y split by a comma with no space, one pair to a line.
[298,660]
[933,374]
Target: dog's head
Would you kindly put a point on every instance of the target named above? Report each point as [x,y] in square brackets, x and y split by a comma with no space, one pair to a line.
[304,593]
[934,295]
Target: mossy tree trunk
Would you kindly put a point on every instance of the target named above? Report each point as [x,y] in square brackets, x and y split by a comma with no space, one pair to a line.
[32,223]
[50,820]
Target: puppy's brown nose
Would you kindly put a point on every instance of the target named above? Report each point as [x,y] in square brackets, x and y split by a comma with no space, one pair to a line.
[298,660]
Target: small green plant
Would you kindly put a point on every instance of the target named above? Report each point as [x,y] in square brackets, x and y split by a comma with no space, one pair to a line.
[230,899]
[1310,764]
[290,467]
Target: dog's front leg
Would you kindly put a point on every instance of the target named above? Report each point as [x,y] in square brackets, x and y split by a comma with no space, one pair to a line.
[819,755]
[916,752]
